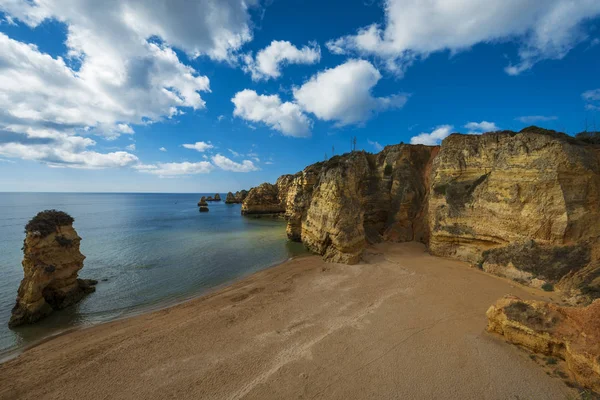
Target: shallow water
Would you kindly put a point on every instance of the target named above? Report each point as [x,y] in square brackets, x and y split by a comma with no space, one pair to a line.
[147,250]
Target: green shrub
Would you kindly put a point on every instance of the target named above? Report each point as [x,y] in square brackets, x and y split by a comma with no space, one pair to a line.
[47,221]
[548,287]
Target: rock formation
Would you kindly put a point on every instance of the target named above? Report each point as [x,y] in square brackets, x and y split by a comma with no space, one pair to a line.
[217,197]
[522,205]
[203,205]
[237,198]
[51,264]
[569,333]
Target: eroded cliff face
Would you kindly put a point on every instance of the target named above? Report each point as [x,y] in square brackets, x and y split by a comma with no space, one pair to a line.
[521,205]
[51,264]
[524,205]
[569,333]
[339,206]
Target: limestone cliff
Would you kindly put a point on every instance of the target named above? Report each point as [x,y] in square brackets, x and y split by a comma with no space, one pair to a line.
[337,207]
[569,333]
[522,205]
[51,264]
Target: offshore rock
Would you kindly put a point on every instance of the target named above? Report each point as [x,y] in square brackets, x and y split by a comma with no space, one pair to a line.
[202,201]
[521,205]
[267,198]
[230,199]
[217,197]
[569,333]
[51,264]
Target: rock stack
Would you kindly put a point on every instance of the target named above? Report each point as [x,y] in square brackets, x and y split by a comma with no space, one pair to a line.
[237,198]
[203,204]
[217,197]
[51,264]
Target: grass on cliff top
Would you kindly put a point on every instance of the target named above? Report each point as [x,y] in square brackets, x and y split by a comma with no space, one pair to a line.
[47,221]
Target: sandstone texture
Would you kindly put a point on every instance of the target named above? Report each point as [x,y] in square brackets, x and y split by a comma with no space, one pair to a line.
[523,205]
[51,264]
[569,333]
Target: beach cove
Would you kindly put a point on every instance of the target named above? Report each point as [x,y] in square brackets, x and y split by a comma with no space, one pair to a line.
[401,324]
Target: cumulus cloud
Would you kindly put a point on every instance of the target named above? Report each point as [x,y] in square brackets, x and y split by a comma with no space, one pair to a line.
[476,128]
[376,145]
[592,99]
[235,153]
[344,94]
[285,117]
[199,146]
[531,119]
[176,169]
[433,138]
[268,61]
[229,165]
[162,149]
[119,70]
[58,149]
[414,29]
[131,147]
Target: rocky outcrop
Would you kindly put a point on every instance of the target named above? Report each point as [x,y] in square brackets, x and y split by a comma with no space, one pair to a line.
[267,198]
[569,333]
[217,197]
[521,205]
[51,264]
[236,198]
[339,206]
[203,205]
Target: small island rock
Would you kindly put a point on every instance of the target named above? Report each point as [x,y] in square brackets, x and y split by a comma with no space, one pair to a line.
[51,264]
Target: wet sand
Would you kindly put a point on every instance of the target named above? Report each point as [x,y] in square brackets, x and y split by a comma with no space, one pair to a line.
[402,325]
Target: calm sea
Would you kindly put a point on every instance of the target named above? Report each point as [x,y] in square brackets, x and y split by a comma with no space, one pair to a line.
[147,250]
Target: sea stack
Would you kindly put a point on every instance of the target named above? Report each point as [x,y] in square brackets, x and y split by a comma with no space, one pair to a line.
[203,205]
[217,197]
[51,264]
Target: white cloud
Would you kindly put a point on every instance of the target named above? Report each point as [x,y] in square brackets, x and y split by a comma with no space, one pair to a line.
[376,145]
[414,29]
[176,169]
[229,165]
[58,149]
[268,61]
[235,153]
[269,162]
[592,99]
[162,149]
[343,94]
[119,70]
[476,128]
[531,119]
[131,147]
[220,118]
[199,146]
[433,138]
[286,118]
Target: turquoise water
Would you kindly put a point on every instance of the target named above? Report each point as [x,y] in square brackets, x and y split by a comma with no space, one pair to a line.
[147,250]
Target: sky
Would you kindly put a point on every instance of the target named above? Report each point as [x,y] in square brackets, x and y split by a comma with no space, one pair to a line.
[221,95]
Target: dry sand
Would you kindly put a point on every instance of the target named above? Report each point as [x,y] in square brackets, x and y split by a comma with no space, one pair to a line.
[405,325]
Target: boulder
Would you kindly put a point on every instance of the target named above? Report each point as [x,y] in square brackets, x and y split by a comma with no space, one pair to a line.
[569,333]
[51,264]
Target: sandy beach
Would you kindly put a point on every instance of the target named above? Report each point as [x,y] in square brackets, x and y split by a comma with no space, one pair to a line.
[401,325]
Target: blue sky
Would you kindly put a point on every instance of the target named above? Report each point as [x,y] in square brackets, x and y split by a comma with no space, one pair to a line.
[219,95]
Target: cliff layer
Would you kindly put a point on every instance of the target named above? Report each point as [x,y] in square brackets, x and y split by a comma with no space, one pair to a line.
[569,333]
[524,205]
[51,264]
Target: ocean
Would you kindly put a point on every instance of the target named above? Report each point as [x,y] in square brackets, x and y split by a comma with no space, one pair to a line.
[146,250]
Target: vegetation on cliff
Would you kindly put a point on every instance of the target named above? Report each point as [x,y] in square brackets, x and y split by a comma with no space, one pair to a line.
[47,222]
